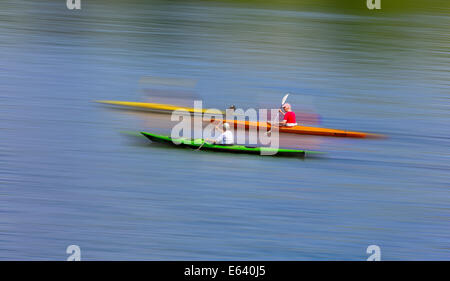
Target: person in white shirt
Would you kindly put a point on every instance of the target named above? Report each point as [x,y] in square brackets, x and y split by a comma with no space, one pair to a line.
[226,137]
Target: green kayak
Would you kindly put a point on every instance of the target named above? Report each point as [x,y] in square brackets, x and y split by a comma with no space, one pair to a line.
[196,143]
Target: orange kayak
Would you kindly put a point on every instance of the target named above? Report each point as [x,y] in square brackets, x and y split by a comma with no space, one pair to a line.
[303,130]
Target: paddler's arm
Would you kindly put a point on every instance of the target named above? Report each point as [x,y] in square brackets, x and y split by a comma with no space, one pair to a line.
[219,128]
[214,141]
[282,123]
[279,110]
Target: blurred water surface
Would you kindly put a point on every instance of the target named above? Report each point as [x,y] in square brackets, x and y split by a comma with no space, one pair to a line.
[68,176]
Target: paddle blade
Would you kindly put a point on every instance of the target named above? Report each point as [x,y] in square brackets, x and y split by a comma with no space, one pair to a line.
[284,99]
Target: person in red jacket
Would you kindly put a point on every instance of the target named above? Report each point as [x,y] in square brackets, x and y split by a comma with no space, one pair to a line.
[289,116]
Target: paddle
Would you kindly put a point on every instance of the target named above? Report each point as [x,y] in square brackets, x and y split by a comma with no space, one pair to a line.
[201,145]
[283,101]
[204,140]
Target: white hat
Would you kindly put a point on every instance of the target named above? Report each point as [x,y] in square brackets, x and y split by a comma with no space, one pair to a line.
[286,105]
[226,126]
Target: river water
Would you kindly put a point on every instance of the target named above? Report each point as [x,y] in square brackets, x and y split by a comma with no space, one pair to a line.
[69,175]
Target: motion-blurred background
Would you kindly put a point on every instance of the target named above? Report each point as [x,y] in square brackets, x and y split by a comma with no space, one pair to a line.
[68,176]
